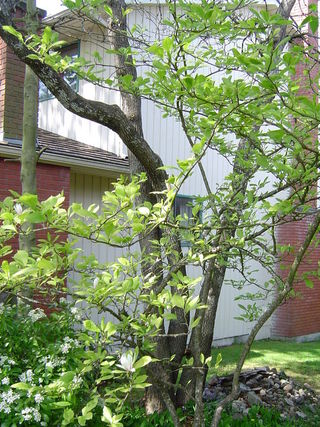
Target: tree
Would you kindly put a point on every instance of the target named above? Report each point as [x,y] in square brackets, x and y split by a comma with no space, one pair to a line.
[257,107]
[29,154]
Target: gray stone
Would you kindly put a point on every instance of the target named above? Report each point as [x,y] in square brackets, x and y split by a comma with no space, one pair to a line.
[301,415]
[287,388]
[253,399]
[244,387]
[238,406]
[262,392]
[313,408]
[270,382]
[289,401]
[214,381]
[252,383]
[209,395]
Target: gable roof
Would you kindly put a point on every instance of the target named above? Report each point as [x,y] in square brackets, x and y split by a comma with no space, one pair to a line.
[58,149]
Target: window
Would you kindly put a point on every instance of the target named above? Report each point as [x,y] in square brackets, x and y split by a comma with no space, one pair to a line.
[70,77]
[183,206]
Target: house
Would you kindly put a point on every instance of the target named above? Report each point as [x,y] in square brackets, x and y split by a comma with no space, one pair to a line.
[98,156]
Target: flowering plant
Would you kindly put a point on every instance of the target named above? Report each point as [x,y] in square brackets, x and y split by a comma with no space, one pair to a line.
[54,374]
[35,351]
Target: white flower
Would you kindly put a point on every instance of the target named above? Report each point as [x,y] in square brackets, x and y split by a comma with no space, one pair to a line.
[9,397]
[27,414]
[18,208]
[65,348]
[5,381]
[76,312]
[49,364]
[38,398]
[3,360]
[126,362]
[36,314]
[31,413]
[5,408]
[26,377]
[40,380]
[95,282]
[63,300]
[77,380]
[36,415]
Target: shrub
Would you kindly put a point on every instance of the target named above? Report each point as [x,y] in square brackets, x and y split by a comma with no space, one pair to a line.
[36,352]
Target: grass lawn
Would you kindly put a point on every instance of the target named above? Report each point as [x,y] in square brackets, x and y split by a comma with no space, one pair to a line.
[301,361]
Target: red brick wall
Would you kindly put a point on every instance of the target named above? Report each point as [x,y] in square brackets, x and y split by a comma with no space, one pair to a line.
[12,72]
[51,180]
[300,315]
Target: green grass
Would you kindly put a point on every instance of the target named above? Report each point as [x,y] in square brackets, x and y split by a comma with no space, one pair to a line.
[301,361]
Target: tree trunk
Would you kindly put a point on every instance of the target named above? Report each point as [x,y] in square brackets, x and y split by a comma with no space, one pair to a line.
[30,124]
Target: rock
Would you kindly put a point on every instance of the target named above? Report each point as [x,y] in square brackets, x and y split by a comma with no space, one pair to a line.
[289,401]
[252,383]
[301,415]
[270,382]
[244,387]
[253,399]
[209,395]
[313,408]
[265,386]
[262,392]
[282,375]
[238,406]
[287,388]
[213,381]
[298,400]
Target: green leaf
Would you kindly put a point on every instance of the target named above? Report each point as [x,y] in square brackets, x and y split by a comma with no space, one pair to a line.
[13,32]
[177,301]
[107,415]
[68,417]
[309,283]
[218,360]
[35,217]
[145,360]
[91,326]
[30,200]
[61,404]
[21,386]
[108,10]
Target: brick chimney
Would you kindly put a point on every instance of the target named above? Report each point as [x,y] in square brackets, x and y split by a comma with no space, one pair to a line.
[12,72]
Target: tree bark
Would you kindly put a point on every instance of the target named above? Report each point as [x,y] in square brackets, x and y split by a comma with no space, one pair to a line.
[30,124]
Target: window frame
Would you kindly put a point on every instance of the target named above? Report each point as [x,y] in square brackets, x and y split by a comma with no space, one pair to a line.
[190,199]
[49,95]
